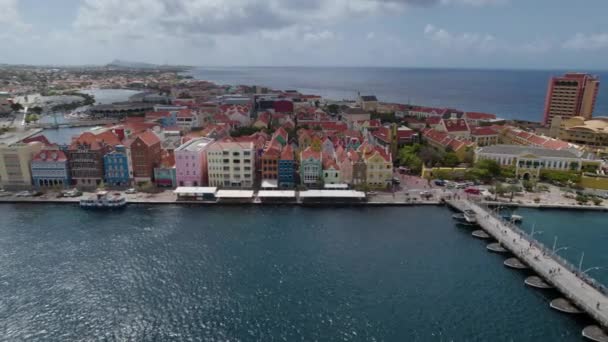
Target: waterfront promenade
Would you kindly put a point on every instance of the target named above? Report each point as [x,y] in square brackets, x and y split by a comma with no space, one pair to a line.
[581,290]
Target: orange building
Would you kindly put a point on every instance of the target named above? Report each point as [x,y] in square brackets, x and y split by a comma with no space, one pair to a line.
[571,95]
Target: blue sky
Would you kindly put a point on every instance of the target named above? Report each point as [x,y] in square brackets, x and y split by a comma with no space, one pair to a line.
[417,33]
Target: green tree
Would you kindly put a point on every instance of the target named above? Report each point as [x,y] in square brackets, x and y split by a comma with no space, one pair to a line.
[450,159]
[485,170]
[560,176]
[36,110]
[16,107]
[528,185]
[408,156]
[333,108]
[513,189]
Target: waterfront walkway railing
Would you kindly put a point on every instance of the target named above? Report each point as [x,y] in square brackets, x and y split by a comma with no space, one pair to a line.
[546,251]
[567,291]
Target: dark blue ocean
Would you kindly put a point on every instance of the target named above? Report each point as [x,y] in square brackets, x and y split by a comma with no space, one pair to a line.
[177,273]
[512,94]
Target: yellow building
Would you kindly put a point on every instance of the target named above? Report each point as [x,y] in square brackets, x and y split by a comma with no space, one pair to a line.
[379,166]
[15,161]
[594,182]
[577,130]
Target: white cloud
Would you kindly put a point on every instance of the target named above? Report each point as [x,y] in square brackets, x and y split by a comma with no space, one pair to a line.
[477,3]
[216,17]
[10,18]
[580,41]
[460,41]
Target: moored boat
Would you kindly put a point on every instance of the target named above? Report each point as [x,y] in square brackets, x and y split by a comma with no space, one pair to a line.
[103,200]
[470,216]
[513,218]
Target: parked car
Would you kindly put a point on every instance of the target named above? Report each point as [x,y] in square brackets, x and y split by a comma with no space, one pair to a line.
[72,193]
[131,191]
[439,182]
[396,180]
[23,194]
[472,191]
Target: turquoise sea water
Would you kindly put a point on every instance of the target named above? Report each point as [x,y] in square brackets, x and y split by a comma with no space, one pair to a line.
[169,273]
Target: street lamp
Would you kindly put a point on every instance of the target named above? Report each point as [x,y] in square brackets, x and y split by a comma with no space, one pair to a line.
[535,232]
[594,268]
[554,249]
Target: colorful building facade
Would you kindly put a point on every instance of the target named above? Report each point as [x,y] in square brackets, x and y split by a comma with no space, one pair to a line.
[145,156]
[50,169]
[287,168]
[191,162]
[231,164]
[117,167]
[15,160]
[311,167]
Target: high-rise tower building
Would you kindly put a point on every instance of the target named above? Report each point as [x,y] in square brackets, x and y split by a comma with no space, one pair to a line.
[571,95]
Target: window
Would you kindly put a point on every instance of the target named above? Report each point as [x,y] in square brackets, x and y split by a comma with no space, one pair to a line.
[247,153]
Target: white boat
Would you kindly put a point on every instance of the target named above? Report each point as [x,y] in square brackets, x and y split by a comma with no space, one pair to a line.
[517,218]
[470,216]
[513,218]
[103,200]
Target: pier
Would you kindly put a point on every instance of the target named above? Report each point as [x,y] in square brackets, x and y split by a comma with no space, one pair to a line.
[582,291]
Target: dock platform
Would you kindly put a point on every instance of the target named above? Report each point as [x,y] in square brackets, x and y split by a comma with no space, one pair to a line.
[563,305]
[595,333]
[496,248]
[584,292]
[480,234]
[537,282]
[515,263]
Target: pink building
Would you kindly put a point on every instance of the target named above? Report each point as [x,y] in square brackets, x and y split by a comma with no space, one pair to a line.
[191,162]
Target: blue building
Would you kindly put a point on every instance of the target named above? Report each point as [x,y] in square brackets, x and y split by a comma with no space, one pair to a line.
[169,120]
[116,167]
[287,168]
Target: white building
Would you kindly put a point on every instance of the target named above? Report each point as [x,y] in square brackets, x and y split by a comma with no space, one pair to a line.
[529,161]
[186,120]
[231,164]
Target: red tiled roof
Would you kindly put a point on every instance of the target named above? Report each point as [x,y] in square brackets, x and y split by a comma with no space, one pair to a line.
[433,120]
[157,115]
[38,138]
[445,140]
[95,141]
[309,153]
[369,151]
[330,163]
[456,125]
[479,131]
[148,138]
[167,159]
[479,116]
[185,113]
[287,153]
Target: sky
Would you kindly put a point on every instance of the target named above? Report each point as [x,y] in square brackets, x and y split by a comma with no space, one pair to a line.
[537,34]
